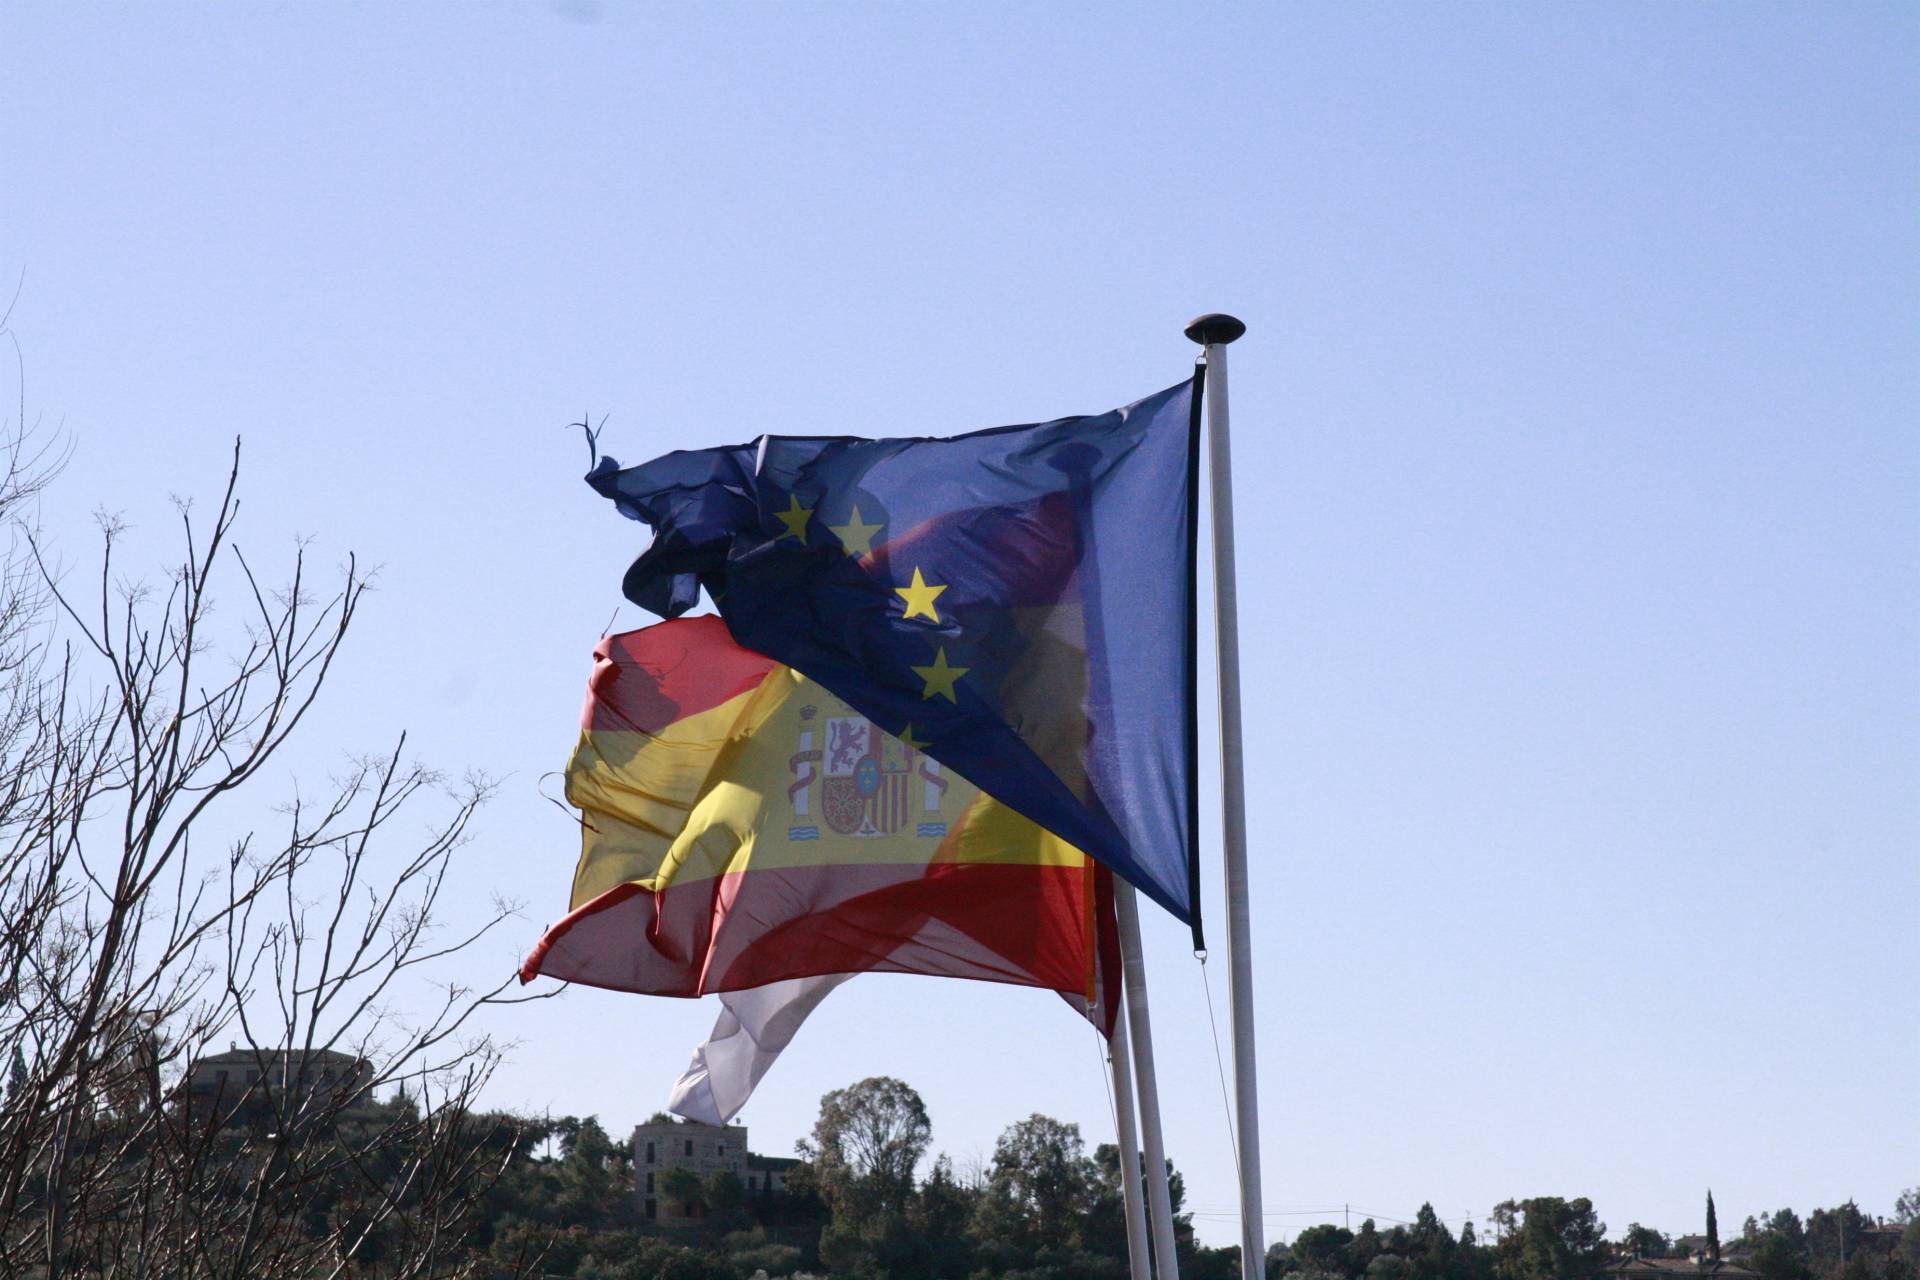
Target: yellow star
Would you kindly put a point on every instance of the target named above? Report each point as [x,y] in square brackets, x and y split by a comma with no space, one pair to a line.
[795,517]
[919,597]
[857,538]
[940,677]
[907,738]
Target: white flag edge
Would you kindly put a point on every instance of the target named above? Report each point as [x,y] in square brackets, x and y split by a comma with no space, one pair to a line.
[753,1027]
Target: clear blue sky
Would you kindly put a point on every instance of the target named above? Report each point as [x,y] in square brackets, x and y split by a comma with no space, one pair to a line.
[1577,467]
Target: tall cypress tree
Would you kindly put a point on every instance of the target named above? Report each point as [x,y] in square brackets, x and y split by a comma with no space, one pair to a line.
[1713,1231]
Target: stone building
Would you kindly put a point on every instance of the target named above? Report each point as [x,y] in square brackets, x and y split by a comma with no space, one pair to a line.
[664,1143]
[767,1174]
[245,1086]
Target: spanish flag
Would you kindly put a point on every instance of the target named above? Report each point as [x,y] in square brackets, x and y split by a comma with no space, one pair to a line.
[742,826]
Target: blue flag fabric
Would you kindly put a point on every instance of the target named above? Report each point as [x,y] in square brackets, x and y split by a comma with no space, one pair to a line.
[1019,601]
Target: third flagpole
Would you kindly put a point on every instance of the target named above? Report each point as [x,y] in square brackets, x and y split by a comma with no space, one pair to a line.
[1132,1193]
[1214,332]
[1134,969]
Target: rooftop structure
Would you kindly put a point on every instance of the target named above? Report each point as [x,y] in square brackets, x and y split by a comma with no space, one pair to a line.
[664,1144]
[246,1086]
[1677,1268]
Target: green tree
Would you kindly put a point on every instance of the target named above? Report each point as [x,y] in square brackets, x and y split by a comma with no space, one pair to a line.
[662,1260]
[752,1250]
[1364,1248]
[1713,1231]
[1907,1251]
[1208,1264]
[1475,1259]
[1506,1220]
[865,1146]
[725,1199]
[680,1186]
[1644,1242]
[1786,1224]
[1781,1253]
[940,1214]
[1834,1236]
[1040,1169]
[866,1143]
[1556,1240]
[1323,1248]
[1430,1249]
[1106,1230]
[591,1177]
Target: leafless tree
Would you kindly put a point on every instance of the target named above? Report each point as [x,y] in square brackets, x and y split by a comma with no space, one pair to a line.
[159,910]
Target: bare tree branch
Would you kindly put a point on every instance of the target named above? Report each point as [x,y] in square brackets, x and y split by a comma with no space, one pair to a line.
[337,1136]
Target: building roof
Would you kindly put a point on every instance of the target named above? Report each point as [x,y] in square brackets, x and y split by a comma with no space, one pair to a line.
[254,1058]
[1680,1267]
[772,1164]
[691,1126]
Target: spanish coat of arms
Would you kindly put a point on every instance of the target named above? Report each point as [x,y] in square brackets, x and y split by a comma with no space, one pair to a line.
[866,778]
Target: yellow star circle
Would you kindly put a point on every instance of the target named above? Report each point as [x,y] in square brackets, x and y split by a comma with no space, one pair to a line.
[939,677]
[920,595]
[856,537]
[795,517]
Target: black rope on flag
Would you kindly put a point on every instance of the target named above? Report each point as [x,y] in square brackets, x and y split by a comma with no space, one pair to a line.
[593,436]
[1193,652]
[578,819]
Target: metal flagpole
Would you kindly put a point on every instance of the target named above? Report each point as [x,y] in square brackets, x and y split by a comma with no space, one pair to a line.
[1214,332]
[1134,967]
[1120,1053]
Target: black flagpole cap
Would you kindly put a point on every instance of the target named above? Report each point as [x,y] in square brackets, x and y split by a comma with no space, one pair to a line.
[1215,327]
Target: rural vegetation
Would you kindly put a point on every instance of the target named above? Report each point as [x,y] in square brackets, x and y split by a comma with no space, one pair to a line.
[1044,1208]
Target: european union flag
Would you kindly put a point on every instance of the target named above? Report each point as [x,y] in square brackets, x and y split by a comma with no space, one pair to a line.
[1018,602]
